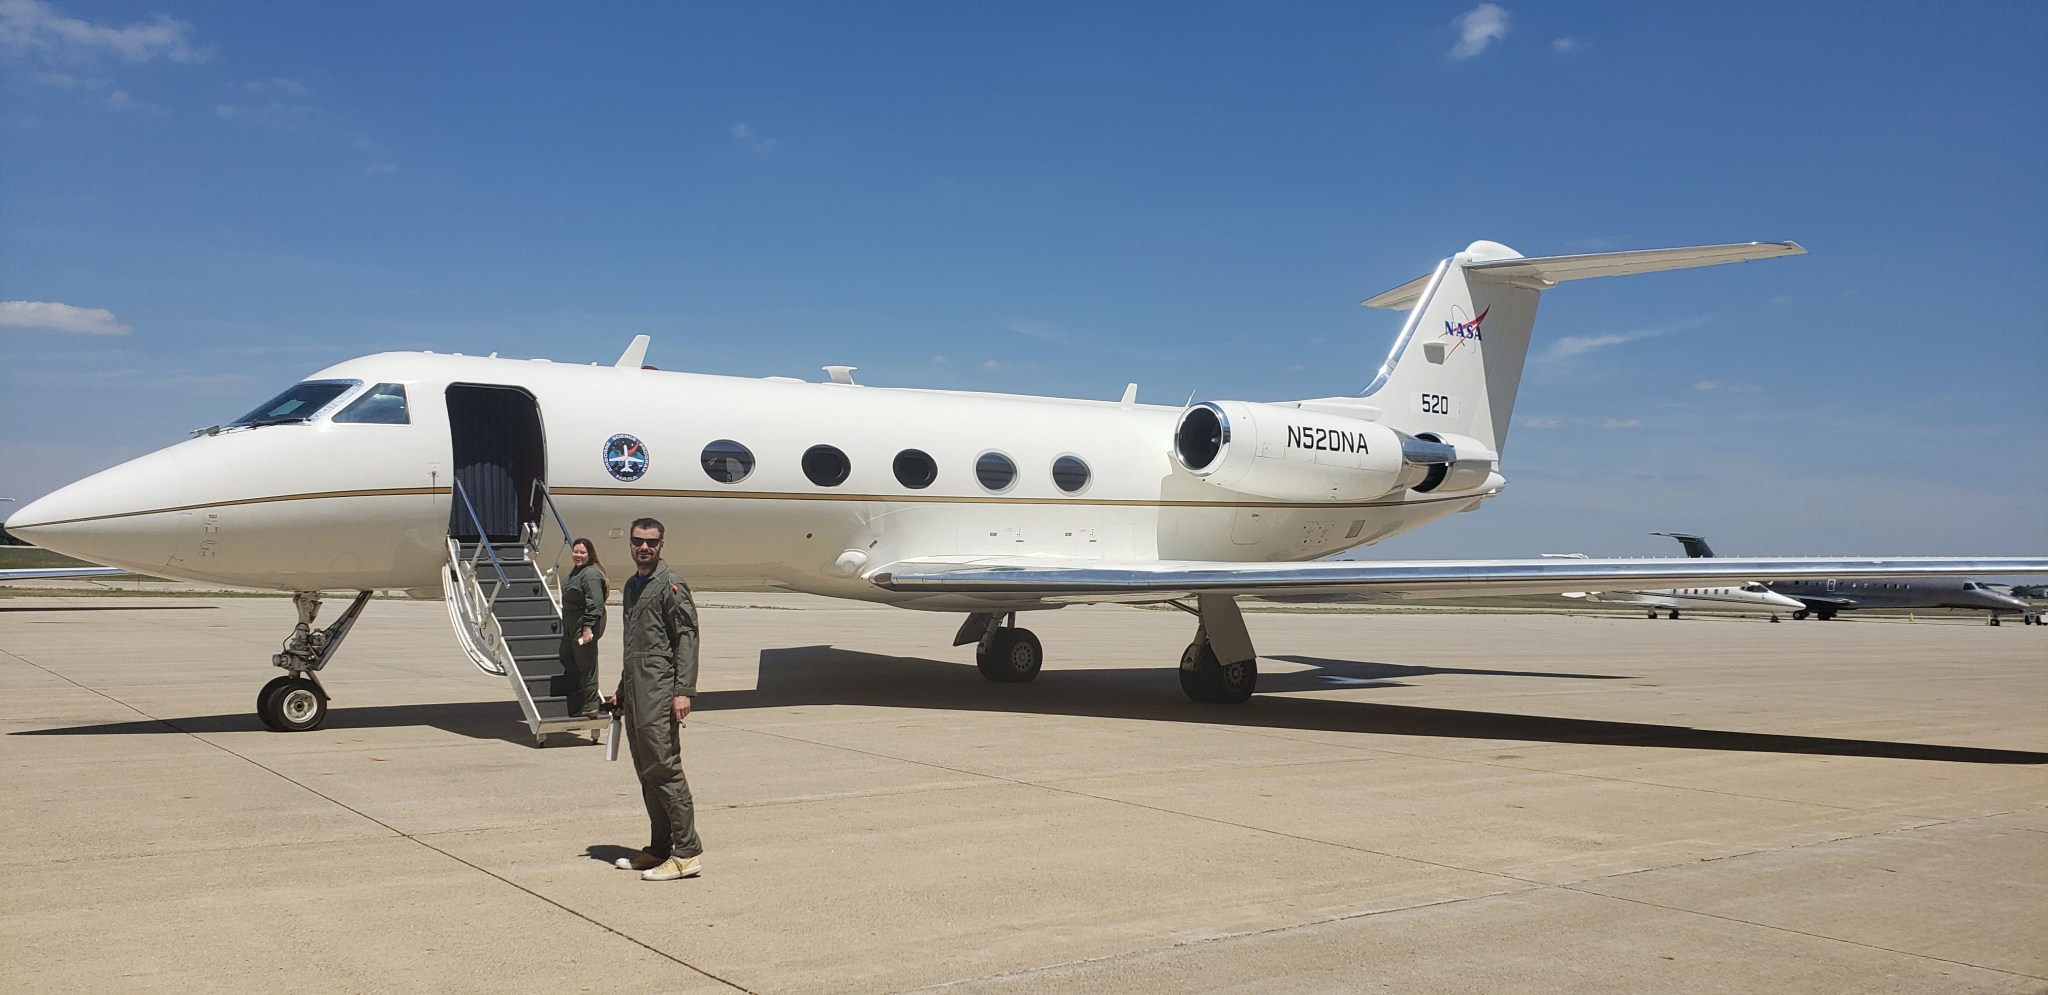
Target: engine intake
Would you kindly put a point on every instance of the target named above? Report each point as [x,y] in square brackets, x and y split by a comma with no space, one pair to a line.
[1298,454]
[1291,454]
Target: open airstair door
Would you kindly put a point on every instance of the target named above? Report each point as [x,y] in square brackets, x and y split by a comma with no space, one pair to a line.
[499,455]
[505,542]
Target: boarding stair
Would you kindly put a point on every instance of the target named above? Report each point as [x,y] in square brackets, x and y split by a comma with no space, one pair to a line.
[505,605]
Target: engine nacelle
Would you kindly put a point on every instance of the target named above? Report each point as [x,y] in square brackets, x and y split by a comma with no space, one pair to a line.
[1449,462]
[1291,454]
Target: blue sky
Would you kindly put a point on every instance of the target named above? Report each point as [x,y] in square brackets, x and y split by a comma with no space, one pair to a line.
[201,202]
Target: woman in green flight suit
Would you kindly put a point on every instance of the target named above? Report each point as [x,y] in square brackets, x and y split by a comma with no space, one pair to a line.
[583,595]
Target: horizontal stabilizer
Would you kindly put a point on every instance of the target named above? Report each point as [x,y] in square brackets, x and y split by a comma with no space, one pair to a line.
[1548,271]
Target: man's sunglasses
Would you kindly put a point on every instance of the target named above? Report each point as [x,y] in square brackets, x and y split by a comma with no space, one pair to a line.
[644,541]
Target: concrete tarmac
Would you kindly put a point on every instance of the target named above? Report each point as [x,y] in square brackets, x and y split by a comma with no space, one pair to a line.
[1428,802]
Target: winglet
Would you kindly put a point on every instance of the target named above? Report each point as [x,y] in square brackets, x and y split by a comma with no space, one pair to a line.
[635,354]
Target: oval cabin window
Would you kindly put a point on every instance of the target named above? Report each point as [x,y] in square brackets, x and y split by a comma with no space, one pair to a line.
[727,461]
[826,466]
[915,469]
[995,471]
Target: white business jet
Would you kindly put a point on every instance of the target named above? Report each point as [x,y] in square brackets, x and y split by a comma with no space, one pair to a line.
[454,475]
[1672,601]
[1679,599]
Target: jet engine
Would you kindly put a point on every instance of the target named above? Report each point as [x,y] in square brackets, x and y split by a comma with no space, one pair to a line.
[1449,462]
[1296,454]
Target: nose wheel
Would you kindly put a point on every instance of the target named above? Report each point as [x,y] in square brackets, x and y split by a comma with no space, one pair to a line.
[292,704]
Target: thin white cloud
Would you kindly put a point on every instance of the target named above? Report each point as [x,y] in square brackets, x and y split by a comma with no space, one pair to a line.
[1543,423]
[120,100]
[745,133]
[1579,345]
[276,84]
[34,26]
[1622,423]
[60,317]
[1566,46]
[1732,388]
[70,82]
[1479,27]
[1044,331]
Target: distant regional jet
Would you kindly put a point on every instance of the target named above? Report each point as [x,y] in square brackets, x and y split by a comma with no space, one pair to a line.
[1822,597]
[462,477]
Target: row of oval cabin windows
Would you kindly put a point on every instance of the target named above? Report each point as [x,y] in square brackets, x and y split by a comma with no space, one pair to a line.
[729,462]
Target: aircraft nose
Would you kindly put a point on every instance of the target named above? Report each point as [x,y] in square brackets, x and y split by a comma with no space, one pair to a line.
[123,517]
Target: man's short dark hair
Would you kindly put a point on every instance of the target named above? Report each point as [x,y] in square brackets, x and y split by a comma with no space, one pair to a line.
[649,523]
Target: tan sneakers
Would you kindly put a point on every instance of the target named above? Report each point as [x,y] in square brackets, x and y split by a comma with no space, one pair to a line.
[673,868]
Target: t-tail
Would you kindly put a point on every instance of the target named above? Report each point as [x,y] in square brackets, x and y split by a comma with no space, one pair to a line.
[1457,363]
[1695,546]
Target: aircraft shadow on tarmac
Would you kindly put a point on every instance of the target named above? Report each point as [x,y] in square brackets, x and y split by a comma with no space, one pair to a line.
[824,675]
[475,719]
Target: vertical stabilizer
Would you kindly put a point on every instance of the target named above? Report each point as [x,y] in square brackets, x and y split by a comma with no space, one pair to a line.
[1458,362]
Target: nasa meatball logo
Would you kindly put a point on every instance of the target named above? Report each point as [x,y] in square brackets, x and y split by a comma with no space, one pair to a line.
[625,457]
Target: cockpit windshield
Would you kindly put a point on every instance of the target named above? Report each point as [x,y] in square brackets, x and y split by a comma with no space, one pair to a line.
[300,402]
[383,404]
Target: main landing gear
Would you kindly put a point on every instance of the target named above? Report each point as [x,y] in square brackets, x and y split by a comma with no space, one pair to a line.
[1220,666]
[1003,653]
[296,702]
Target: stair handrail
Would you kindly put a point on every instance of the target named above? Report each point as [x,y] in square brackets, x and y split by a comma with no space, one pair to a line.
[473,630]
[543,498]
[483,546]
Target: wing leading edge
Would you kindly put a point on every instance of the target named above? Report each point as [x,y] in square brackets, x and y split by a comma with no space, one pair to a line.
[1078,581]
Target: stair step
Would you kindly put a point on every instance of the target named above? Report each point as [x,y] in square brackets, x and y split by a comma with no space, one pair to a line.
[518,606]
[539,625]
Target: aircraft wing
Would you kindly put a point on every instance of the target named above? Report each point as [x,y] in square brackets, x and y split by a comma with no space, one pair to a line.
[1062,580]
[58,573]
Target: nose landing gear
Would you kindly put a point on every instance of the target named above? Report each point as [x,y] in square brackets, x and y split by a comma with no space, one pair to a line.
[296,702]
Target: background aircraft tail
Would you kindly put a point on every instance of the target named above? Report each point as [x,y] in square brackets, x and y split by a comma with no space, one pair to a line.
[1457,363]
[1695,546]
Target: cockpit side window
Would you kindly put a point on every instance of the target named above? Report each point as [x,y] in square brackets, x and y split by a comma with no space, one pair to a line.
[300,402]
[383,404]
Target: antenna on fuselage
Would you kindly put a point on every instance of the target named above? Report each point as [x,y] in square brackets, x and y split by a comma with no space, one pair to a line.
[636,351]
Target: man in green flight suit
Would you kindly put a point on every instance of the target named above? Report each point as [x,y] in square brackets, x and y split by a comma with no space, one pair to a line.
[655,687]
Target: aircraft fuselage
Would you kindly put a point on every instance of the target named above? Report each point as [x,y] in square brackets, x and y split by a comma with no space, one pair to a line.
[323,505]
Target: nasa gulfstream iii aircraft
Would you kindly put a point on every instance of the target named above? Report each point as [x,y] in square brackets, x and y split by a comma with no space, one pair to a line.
[456,475]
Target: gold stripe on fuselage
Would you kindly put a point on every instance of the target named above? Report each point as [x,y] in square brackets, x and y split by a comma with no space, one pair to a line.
[625,492]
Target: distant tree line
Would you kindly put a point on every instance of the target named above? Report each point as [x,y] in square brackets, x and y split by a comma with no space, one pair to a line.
[8,540]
